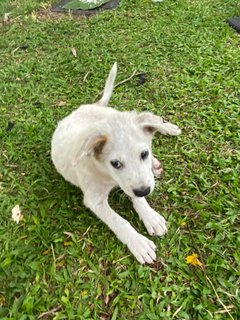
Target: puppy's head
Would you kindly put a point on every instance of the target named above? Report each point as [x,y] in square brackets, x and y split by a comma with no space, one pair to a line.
[127,156]
[121,149]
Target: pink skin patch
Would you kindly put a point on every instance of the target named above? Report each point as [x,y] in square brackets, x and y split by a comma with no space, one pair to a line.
[156,167]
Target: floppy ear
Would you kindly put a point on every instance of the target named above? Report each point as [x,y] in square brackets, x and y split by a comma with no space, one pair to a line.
[92,146]
[151,123]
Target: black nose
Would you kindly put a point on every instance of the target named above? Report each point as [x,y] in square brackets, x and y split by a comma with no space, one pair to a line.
[142,192]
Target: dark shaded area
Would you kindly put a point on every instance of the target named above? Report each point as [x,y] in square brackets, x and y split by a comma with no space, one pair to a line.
[141,78]
[10,126]
[234,23]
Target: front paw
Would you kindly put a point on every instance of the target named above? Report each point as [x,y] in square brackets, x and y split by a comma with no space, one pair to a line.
[142,248]
[154,223]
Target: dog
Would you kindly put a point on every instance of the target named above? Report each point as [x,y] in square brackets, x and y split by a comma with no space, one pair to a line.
[98,148]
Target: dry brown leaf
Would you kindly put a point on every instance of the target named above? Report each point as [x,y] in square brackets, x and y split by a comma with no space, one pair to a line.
[61,103]
[74,52]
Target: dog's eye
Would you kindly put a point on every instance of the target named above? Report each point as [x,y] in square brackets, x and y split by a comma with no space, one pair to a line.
[144,154]
[116,164]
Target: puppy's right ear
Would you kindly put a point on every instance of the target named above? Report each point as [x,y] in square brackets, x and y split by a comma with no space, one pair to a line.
[92,146]
[151,123]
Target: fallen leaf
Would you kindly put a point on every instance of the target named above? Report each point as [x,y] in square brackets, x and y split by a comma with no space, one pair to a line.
[183,224]
[6,18]
[61,103]
[16,214]
[74,52]
[193,260]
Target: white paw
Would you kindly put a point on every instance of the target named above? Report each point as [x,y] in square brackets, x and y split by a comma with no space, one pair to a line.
[142,248]
[171,129]
[154,223]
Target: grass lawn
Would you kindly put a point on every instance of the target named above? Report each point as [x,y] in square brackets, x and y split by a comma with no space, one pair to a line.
[60,261]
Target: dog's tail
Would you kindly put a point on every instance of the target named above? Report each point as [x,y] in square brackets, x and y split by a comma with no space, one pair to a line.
[108,89]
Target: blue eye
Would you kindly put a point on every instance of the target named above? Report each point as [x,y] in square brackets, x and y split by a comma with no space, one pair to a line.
[116,164]
[144,154]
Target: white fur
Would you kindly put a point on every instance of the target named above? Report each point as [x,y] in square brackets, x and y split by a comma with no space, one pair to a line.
[86,142]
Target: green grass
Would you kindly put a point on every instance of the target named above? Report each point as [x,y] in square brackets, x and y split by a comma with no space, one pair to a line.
[60,257]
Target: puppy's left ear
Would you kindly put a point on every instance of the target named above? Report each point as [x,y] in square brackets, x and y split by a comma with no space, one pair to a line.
[92,146]
[151,124]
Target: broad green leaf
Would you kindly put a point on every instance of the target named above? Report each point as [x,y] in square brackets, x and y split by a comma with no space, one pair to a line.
[84,4]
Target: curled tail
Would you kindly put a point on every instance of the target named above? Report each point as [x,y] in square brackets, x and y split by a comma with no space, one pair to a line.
[108,89]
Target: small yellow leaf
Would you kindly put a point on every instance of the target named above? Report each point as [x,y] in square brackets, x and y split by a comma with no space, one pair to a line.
[183,224]
[68,243]
[16,214]
[193,260]
[74,52]
[84,293]
[45,252]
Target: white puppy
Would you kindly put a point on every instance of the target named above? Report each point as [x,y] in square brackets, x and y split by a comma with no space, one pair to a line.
[98,148]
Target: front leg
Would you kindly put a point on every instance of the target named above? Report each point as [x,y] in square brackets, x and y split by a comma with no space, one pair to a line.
[153,221]
[141,247]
